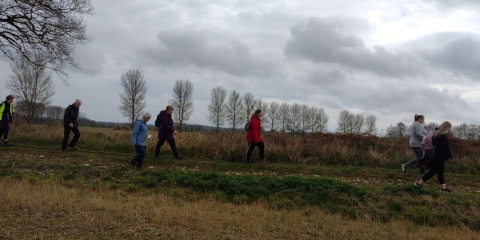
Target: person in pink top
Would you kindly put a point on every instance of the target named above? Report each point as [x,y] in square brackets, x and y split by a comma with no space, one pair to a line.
[254,137]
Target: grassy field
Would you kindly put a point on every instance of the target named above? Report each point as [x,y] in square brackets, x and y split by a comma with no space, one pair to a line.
[93,194]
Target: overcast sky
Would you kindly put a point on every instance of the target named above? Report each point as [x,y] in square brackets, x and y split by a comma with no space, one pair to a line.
[391,59]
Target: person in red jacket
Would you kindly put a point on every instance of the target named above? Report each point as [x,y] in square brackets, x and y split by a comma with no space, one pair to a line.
[254,137]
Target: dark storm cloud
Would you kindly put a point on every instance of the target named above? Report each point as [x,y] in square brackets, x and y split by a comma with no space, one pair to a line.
[458,53]
[323,41]
[345,91]
[207,50]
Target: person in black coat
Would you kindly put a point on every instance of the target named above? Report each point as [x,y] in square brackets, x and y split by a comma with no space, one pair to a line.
[165,133]
[442,154]
[70,124]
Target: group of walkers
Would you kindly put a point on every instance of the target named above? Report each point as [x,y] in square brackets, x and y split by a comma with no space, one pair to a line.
[441,151]
[166,132]
[164,124]
[418,136]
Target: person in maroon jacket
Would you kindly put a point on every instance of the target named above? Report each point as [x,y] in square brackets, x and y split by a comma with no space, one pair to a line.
[254,137]
[165,133]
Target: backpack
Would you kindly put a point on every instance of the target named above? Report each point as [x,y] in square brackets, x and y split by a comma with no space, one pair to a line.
[427,142]
[247,126]
[158,123]
[428,145]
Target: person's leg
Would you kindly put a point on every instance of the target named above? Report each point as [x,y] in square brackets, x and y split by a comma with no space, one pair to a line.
[66,135]
[75,137]
[173,146]
[133,162]
[142,150]
[5,137]
[160,143]
[418,156]
[248,155]
[441,174]
[434,169]
[261,150]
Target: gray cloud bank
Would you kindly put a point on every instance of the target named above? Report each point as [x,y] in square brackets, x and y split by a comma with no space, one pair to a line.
[322,55]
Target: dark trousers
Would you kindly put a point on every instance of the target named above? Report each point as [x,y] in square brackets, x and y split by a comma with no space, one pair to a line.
[251,146]
[437,167]
[418,157]
[172,144]
[66,135]
[137,161]
[4,132]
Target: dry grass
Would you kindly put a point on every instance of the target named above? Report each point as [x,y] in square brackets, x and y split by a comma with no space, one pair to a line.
[324,149]
[49,211]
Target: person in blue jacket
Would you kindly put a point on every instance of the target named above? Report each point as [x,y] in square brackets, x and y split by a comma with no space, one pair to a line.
[139,136]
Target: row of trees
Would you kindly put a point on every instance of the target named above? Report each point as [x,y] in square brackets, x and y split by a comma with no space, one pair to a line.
[132,99]
[234,110]
[356,123]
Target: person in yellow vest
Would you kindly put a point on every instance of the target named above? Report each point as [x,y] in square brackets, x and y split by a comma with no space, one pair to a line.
[6,117]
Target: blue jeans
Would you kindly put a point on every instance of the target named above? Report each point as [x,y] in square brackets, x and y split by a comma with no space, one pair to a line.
[137,161]
[418,156]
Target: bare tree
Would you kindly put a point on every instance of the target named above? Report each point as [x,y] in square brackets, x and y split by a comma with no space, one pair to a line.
[283,113]
[234,109]
[305,118]
[248,105]
[216,108]
[49,28]
[132,100]
[182,101]
[321,120]
[398,131]
[273,114]
[371,125]
[294,117]
[344,122]
[461,131]
[317,120]
[32,84]
[358,123]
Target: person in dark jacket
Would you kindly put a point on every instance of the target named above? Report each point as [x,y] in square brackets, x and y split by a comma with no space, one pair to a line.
[254,137]
[442,154]
[165,133]
[6,117]
[139,137]
[70,124]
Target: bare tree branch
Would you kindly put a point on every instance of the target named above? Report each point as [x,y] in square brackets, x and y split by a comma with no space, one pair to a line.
[49,28]
[32,84]
[132,100]
[182,101]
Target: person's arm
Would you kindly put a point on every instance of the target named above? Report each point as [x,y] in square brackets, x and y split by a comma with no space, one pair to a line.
[447,148]
[66,116]
[419,132]
[258,131]
[136,128]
